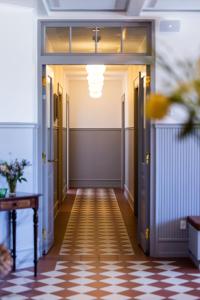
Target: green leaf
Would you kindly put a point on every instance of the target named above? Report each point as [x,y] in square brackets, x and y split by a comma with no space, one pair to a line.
[23,179]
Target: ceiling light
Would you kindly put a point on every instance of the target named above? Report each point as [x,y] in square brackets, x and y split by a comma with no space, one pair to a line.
[95,80]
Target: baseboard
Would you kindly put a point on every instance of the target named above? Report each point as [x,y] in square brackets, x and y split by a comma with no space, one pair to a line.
[129,197]
[95,183]
[171,249]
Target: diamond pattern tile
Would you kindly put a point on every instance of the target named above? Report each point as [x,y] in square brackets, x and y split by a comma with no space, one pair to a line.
[96,226]
[114,278]
[120,284]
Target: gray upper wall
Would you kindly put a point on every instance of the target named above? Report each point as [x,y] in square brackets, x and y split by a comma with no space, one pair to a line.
[95,157]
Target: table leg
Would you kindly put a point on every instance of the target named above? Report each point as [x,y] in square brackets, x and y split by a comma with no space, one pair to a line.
[14,217]
[35,229]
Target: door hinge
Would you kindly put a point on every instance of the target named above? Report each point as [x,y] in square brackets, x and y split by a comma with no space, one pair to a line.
[148,81]
[147,158]
[44,157]
[44,81]
[44,234]
[147,234]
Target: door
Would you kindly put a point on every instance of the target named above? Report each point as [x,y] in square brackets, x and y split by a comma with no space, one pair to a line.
[56,202]
[48,160]
[123,144]
[60,144]
[135,183]
[67,138]
[143,166]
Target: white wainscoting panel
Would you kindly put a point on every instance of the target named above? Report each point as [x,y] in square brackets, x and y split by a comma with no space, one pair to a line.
[177,167]
[20,141]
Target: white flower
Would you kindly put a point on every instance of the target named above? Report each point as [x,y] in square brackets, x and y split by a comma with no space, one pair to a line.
[3,168]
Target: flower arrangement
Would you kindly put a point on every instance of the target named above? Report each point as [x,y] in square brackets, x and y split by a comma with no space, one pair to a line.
[185,77]
[13,172]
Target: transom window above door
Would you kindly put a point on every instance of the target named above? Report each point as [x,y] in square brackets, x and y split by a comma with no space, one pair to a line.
[98,39]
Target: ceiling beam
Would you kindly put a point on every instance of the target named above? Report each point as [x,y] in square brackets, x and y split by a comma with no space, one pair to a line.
[56,3]
[150,4]
[134,7]
[120,4]
[44,6]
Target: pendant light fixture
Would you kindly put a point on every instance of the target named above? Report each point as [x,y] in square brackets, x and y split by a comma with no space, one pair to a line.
[95,80]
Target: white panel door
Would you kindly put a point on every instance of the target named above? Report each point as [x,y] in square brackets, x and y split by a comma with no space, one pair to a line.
[48,161]
[143,166]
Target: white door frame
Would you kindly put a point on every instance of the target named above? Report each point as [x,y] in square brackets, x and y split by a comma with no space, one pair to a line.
[82,59]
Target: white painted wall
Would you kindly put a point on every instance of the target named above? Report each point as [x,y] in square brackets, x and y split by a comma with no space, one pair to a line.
[86,112]
[20,142]
[18,104]
[128,89]
[174,46]
[18,63]
[59,77]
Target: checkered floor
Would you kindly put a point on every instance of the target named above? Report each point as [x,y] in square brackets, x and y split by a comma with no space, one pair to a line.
[108,280]
[99,278]
[96,226]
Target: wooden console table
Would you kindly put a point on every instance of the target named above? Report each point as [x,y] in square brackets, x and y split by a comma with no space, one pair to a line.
[22,201]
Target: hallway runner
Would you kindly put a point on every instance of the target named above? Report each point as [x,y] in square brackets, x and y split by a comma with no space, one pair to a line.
[96,226]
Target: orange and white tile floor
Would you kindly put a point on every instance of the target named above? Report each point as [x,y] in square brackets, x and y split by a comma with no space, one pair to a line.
[97,259]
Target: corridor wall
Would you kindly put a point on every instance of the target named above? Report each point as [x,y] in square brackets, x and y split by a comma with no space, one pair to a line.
[18,114]
[95,135]
[174,162]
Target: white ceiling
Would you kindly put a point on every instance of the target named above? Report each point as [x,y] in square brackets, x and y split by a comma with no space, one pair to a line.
[79,71]
[129,7]
[77,5]
[24,3]
[176,5]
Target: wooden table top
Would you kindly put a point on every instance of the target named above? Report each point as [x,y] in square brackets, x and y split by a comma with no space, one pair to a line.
[20,196]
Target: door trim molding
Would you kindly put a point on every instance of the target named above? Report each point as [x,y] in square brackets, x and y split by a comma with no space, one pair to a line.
[77,59]
[95,129]
[18,125]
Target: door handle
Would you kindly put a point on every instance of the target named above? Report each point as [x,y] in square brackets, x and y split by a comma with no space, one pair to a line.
[147,158]
[44,156]
[52,160]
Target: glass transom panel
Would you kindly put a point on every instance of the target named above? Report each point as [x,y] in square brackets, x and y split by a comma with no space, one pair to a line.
[109,40]
[100,40]
[134,40]
[57,40]
[83,40]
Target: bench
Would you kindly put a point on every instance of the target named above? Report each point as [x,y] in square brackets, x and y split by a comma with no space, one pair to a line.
[194,239]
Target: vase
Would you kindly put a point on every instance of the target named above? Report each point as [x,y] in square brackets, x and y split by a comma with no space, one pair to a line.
[12,185]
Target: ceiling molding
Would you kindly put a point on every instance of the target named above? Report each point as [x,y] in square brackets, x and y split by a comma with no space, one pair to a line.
[135,7]
[121,4]
[46,6]
[146,9]
[56,3]
[55,6]
[150,3]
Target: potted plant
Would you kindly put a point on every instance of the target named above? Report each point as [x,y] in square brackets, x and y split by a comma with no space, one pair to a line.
[183,90]
[13,172]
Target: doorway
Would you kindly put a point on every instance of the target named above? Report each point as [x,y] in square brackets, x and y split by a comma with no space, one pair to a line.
[144,58]
[98,134]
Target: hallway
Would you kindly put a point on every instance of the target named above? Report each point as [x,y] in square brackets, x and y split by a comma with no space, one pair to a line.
[96,227]
[96,257]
